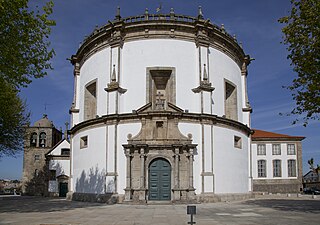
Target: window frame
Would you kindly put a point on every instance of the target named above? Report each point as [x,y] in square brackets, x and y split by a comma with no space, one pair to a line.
[264,151]
[42,138]
[292,168]
[262,168]
[84,142]
[274,150]
[37,157]
[289,151]
[34,136]
[237,142]
[277,172]
[64,151]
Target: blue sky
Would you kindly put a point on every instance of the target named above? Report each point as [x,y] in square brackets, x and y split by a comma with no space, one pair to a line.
[254,22]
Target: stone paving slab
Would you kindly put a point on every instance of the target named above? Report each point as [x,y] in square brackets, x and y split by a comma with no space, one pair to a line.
[264,210]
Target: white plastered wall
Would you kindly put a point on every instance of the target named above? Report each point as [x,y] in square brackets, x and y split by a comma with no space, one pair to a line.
[230,162]
[89,163]
[138,55]
[95,68]
[222,67]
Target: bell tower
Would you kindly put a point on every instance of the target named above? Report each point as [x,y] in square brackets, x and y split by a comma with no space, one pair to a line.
[39,140]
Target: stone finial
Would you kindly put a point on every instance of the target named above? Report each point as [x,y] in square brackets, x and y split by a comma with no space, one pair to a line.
[113,76]
[118,17]
[234,37]
[200,14]
[146,11]
[66,130]
[171,11]
[205,75]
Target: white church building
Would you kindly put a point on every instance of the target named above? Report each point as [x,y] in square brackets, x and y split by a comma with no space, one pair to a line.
[160,113]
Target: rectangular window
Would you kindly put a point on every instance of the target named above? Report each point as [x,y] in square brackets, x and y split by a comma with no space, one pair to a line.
[36,157]
[84,142]
[276,149]
[262,168]
[291,149]
[52,175]
[261,149]
[276,168]
[292,168]
[237,142]
[230,101]
[90,101]
[65,151]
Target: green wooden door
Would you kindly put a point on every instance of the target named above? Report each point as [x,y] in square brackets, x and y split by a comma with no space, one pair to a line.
[63,189]
[160,180]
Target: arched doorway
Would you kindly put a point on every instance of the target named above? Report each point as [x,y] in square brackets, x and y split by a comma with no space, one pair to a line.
[159,180]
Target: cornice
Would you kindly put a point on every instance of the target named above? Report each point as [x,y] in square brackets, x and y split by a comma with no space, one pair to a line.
[153,26]
[181,116]
[278,139]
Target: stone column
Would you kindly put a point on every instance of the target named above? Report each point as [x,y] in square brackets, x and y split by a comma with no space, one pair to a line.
[191,194]
[142,192]
[191,169]
[176,166]
[142,186]
[176,189]
[128,176]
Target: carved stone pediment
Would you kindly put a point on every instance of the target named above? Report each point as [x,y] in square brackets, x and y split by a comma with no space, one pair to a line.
[169,108]
[160,129]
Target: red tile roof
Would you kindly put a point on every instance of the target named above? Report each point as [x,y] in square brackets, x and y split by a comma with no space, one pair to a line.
[268,135]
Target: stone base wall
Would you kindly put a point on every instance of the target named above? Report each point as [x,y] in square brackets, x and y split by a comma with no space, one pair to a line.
[277,186]
[208,198]
[312,185]
[114,198]
[89,197]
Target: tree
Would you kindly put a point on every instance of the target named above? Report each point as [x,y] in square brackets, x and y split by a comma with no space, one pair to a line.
[24,45]
[24,55]
[302,37]
[13,118]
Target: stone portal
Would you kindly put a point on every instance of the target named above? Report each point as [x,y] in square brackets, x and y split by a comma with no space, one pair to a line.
[159,159]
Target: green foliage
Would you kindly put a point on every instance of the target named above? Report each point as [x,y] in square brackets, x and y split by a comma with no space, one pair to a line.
[301,35]
[24,45]
[13,118]
[24,55]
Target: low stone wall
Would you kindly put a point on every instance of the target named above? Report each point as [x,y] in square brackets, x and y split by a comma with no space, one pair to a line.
[88,197]
[277,186]
[207,198]
[312,185]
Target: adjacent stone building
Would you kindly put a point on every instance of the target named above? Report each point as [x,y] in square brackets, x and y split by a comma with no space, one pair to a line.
[276,162]
[58,165]
[39,140]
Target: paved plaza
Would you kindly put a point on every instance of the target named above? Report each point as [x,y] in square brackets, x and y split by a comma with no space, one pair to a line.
[264,210]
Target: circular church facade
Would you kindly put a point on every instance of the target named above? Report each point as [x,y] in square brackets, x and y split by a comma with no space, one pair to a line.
[160,111]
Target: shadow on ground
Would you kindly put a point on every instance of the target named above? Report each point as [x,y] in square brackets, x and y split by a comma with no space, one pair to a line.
[306,206]
[40,204]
